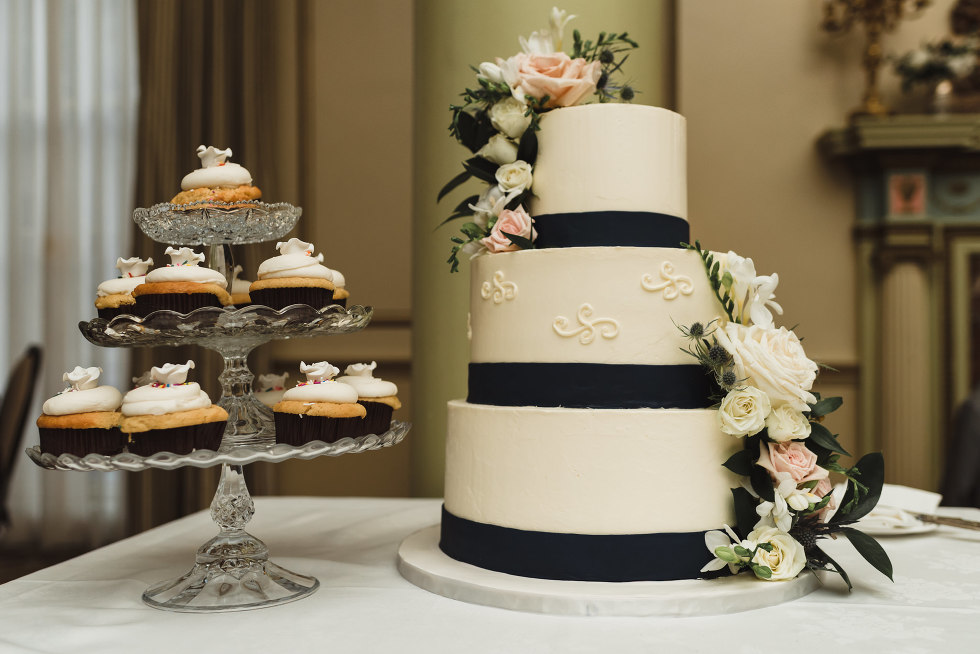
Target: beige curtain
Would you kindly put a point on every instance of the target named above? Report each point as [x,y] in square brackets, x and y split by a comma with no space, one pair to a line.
[229,73]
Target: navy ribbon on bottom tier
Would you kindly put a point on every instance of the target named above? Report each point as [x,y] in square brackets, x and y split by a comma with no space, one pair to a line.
[590,385]
[574,557]
[610,228]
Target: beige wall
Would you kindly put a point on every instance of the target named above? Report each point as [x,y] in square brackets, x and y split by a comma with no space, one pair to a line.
[759,82]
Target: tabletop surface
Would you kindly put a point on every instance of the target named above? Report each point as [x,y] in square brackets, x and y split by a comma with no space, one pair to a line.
[92,603]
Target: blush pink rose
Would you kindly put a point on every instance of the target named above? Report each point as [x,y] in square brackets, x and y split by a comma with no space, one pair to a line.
[516,222]
[792,458]
[565,81]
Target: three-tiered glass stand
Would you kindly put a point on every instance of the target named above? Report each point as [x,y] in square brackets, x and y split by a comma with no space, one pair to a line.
[232,571]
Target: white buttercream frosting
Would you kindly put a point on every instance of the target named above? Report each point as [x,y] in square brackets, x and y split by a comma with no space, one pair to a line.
[296,260]
[271,388]
[169,392]
[215,171]
[83,395]
[319,386]
[185,268]
[239,286]
[132,274]
[360,376]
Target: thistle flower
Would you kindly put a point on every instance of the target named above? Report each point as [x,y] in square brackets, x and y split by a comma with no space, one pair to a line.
[728,379]
[717,354]
[627,93]
[606,56]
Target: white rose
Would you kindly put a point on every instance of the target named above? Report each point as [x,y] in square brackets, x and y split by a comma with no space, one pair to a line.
[514,177]
[787,557]
[499,150]
[786,424]
[772,360]
[507,116]
[490,72]
[743,412]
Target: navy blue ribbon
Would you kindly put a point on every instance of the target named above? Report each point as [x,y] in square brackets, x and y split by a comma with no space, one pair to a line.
[575,557]
[605,228]
[590,385]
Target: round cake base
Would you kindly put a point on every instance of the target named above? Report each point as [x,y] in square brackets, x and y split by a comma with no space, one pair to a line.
[421,562]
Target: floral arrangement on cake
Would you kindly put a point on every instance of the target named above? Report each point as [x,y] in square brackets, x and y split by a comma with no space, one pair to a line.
[498,119]
[785,504]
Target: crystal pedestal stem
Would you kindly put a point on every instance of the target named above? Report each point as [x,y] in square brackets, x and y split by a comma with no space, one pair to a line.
[250,423]
[232,571]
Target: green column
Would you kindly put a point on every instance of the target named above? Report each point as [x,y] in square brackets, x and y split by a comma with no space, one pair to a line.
[451,35]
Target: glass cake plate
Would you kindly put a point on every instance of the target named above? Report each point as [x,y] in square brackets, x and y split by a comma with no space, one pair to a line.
[216,223]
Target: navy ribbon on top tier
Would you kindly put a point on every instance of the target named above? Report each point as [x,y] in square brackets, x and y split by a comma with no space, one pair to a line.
[590,385]
[610,228]
[575,557]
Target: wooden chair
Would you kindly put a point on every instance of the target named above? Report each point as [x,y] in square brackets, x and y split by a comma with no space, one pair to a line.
[17,397]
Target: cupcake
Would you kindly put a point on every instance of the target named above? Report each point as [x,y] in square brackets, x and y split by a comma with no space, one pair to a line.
[239,289]
[340,293]
[217,180]
[181,286]
[115,296]
[294,277]
[318,409]
[171,414]
[377,396]
[271,388]
[82,419]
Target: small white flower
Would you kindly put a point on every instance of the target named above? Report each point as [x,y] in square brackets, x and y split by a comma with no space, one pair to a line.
[82,379]
[171,373]
[490,72]
[184,256]
[763,296]
[715,539]
[361,369]
[319,371]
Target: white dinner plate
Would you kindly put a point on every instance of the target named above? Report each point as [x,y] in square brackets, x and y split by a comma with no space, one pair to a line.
[881,530]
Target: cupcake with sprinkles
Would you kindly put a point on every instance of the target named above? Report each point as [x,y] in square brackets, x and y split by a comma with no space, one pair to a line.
[171,414]
[271,388]
[318,409]
[377,396]
[217,180]
[115,296]
[182,285]
[82,419]
[296,276]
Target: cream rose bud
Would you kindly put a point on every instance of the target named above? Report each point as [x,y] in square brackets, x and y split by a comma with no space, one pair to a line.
[499,150]
[508,117]
[490,72]
[514,176]
[772,360]
[786,424]
[787,558]
[743,411]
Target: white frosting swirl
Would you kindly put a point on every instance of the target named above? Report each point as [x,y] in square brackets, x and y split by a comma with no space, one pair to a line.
[295,260]
[185,268]
[119,286]
[322,391]
[215,171]
[157,400]
[100,398]
[360,377]
[239,286]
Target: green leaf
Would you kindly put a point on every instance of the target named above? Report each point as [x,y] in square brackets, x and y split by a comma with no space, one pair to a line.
[869,548]
[453,183]
[519,241]
[872,475]
[745,515]
[474,130]
[823,559]
[527,149]
[741,463]
[473,230]
[762,483]
[482,169]
[825,406]
[822,437]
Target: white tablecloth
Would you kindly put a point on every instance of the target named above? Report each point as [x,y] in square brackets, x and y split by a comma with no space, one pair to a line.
[91,604]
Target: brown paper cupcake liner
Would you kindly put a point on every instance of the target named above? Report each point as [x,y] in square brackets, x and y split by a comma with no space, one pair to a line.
[297,429]
[179,302]
[179,440]
[281,297]
[82,441]
[378,418]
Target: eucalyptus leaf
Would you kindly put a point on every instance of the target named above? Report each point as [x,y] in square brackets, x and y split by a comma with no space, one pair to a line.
[872,467]
[527,148]
[453,183]
[822,437]
[740,463]
[869,548]
[824,558]
[762,483]
[481,169]
[745,515]
[519,241]
[825,406]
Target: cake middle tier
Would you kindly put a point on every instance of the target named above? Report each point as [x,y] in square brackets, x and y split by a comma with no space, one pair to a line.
[588,327]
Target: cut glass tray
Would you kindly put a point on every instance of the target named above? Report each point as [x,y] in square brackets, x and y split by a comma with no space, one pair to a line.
[216,223]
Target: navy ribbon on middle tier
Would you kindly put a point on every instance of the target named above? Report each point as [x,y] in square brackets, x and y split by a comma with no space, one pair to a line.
[610,228]
[591,385]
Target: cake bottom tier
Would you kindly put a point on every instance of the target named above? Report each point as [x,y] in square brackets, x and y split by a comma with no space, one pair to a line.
[587,494]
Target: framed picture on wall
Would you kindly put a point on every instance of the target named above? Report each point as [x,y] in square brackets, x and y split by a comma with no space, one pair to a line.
[906,195]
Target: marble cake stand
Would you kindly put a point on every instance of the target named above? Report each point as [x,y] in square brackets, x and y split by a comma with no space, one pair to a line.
[421,562]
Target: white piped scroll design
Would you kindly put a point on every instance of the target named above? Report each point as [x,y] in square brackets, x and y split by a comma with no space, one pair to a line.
[499,291]
[588,326]
[673,284]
